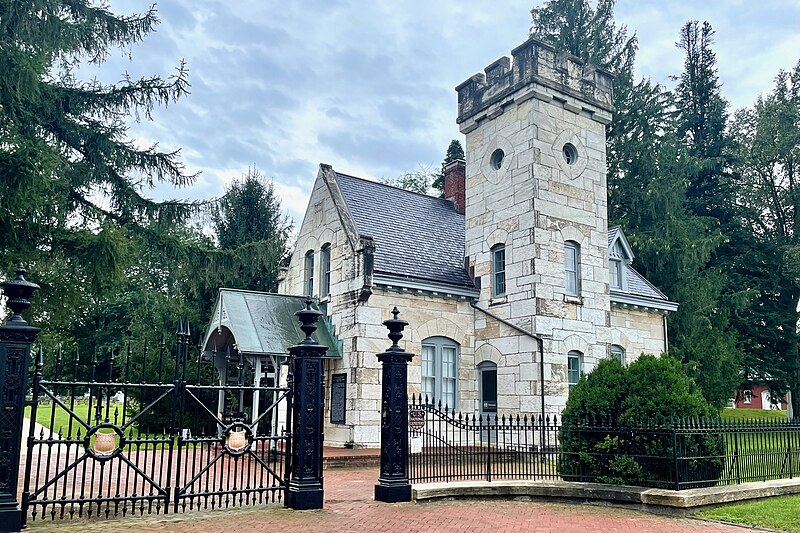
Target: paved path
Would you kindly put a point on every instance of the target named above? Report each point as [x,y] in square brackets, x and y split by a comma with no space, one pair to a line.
[349,508]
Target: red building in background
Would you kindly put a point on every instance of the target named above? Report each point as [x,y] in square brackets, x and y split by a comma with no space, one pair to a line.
[755,396]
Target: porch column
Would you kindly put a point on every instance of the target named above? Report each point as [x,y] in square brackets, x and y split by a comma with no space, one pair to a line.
[305,486]
[393,485]
[16,337]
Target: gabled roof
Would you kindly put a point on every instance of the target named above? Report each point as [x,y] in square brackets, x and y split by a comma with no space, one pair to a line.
[417,237]
[616,235]
[637,291]
[262,323]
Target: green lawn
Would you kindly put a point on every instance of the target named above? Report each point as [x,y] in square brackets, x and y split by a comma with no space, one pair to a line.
[53,415]
[781,513]
[56,417]
[753,414]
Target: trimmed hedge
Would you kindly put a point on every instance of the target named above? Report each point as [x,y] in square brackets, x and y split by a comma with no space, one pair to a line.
[617,427]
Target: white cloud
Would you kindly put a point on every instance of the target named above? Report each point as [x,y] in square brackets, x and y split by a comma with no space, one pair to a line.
[368,86]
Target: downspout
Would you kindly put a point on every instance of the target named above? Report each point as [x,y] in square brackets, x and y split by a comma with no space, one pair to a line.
[666,338]
[538,339]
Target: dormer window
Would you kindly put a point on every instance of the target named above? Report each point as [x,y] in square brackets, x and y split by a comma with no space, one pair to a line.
[615,266]
[618,257]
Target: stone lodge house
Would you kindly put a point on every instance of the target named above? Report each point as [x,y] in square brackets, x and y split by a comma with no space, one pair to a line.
[513,284]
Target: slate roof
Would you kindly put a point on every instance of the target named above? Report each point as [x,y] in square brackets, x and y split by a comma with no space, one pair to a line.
[639,286]
[612,234]
[416,236]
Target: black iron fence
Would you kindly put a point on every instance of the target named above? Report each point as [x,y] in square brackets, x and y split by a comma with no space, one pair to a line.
[153,430]
[672,454]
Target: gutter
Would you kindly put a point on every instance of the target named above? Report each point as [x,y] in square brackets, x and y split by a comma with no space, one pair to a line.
[527,334]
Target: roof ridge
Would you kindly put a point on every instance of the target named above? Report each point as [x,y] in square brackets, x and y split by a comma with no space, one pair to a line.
[391,186]
[267,293]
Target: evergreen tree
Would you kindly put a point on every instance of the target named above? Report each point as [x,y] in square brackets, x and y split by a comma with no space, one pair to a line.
[454,152]
[72,194]
[702,116]
[767,262]
[589,33]
[253,235]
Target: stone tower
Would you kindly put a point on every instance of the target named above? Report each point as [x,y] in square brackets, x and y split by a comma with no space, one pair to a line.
[536,220]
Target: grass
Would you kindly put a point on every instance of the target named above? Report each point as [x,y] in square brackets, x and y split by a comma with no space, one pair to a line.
[55,417]
[782,513]
[753,414]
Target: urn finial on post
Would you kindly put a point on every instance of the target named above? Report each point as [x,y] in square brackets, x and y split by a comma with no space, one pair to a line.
[308,321]
[19,292]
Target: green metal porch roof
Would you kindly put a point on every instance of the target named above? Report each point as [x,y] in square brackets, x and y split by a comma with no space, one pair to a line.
[263,323]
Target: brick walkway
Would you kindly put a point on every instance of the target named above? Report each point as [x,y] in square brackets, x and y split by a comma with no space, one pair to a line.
[349,508]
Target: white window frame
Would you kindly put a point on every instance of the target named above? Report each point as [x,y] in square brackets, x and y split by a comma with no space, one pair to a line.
[498,271]
[309,273]
[325,270]
[440,357]
[618,353]
[574,364]
[572,268]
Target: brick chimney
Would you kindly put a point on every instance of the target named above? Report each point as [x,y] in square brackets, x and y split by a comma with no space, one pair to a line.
[455,185]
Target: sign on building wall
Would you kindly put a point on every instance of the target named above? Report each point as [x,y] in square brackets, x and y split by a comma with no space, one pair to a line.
[338,398]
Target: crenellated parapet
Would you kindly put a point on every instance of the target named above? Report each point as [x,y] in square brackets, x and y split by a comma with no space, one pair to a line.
[537,70]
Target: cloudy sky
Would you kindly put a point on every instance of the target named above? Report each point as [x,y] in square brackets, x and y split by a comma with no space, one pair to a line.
[367,86]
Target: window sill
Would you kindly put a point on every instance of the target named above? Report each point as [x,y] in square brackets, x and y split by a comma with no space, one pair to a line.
[498,300]
[325,299]
[578,300]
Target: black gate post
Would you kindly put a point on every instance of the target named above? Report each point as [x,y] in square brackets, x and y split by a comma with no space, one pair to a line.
[393,485]
[16,337]
[305,486]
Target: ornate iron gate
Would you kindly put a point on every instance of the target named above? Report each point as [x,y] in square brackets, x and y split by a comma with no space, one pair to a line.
[156,431]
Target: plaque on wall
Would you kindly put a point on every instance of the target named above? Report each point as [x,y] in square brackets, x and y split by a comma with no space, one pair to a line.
[338,398]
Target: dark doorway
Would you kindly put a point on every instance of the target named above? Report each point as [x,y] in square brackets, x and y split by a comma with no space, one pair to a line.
[487,386]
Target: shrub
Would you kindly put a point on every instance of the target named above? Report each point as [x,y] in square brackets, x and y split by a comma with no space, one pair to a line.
[618,423]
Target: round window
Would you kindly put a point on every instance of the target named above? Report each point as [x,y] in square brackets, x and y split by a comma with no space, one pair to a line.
[496,161]
[570,153]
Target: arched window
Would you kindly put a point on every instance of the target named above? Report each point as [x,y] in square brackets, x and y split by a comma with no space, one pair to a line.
[618,353]
[572,268]
[440,370]
[325,270]
[498,270]
[310,272]
[574,359]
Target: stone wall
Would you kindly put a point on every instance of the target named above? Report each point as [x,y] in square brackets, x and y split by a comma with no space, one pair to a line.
[637,331]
